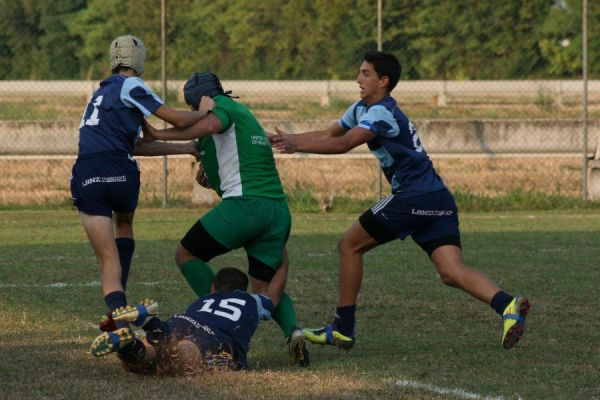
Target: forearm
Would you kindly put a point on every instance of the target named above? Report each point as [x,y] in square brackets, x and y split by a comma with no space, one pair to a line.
[178,118]
[186,119]
[176,134]
[163,148]
[319,144]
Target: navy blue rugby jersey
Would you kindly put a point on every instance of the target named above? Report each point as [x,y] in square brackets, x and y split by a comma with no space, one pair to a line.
[233,316]
[112,120]
[397,146]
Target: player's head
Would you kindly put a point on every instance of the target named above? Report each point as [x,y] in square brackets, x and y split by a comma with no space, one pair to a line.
[385,64]
[201,84]
[127,52]
[230,279]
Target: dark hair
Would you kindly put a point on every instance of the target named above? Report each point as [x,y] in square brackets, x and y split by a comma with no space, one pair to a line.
[120,68]
[230,279]
[386,64]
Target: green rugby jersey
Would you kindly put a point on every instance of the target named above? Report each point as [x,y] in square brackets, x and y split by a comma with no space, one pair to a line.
[238,161]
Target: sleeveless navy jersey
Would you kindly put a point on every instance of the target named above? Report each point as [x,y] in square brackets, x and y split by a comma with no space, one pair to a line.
[401,155]
[112,120]
[233,317]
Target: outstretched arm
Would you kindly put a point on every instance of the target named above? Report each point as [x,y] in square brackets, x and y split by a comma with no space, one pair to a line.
[205,127]
[144,148]
[184,119]
[320,142]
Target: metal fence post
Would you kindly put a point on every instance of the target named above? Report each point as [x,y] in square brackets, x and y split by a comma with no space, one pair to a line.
[380,48]
[585,99]
[163,37]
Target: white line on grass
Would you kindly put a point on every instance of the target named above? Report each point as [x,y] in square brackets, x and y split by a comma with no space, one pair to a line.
[460,393]
[63,285]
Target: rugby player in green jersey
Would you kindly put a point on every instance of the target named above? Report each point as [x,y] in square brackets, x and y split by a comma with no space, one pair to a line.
[238,164]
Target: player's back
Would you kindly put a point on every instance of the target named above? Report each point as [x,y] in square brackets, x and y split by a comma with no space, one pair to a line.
[233,316]
[113,117]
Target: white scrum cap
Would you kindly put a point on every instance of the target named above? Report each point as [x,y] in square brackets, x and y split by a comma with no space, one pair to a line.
[128,51]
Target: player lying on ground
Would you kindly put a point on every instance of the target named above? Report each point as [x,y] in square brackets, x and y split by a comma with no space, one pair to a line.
[420,204]
[214,331]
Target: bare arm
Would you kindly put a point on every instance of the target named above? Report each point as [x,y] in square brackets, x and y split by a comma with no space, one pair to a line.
[320,143]
[333,130]
[206,126]
[277,284]
[184,119]
[144,148]
[181,119]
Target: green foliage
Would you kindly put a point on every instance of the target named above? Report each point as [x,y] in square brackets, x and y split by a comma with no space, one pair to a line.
[301,39]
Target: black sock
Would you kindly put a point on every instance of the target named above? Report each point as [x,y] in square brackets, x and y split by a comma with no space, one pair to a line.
[344,319]
[500,301]
[126,246]
[115,300]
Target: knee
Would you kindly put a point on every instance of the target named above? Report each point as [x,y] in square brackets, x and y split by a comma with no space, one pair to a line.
[258,286]
[182,255]
[123,220]
[450,275]
[345,246]
[447,278]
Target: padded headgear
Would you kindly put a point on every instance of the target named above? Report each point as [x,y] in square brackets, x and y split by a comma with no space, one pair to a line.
[128,51]
[201,84]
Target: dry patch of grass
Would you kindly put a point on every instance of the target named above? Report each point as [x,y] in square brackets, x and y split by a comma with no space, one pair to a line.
[46,181]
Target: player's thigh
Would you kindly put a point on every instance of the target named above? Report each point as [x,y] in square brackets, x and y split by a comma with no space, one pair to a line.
[99,230]
[100,186]
[235,221]
[442,227]
[388,219]
[88,193]
[266,252]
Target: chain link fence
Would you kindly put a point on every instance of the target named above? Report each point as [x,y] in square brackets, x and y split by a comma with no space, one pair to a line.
[488,137]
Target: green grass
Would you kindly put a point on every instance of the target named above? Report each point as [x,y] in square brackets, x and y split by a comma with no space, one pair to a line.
[410,326]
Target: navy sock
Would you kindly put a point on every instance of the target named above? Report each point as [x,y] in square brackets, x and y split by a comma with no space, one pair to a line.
[500,301]
[344,319]
[115,300]
[153,324]
[126,246]
[133,351]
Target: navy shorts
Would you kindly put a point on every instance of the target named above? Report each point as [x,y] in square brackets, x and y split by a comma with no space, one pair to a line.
[430,219]
[105,182]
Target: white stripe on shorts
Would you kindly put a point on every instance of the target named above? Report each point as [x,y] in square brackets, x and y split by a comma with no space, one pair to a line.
[382,203]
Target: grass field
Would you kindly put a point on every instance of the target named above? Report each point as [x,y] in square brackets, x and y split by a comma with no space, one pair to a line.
[417,339]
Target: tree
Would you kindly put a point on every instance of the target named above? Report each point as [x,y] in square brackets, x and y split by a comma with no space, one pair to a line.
[19,22]
[478,39]
[57,47]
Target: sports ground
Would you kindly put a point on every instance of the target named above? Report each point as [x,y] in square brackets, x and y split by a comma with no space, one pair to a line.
[416,338]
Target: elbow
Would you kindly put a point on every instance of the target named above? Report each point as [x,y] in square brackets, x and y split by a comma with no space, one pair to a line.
[344,147]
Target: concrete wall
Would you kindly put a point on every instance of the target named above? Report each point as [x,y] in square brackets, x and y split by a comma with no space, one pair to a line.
[438,136]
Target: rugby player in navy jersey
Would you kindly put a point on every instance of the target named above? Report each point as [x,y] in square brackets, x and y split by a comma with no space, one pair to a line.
[105,179]
[420,205]
[214,331]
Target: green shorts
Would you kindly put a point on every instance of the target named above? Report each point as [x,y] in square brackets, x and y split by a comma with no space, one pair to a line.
[260,225]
